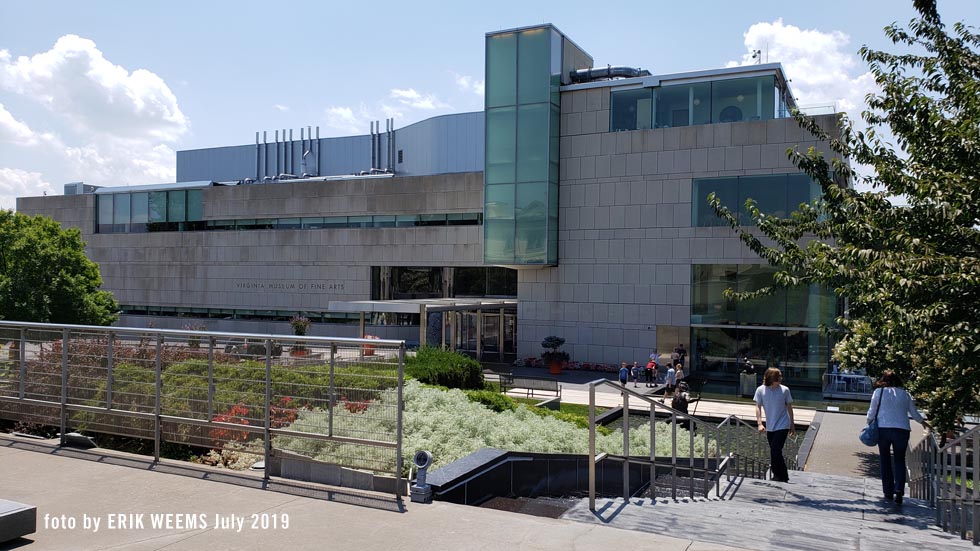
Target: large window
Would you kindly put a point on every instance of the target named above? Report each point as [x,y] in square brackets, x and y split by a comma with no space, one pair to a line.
[774,195]
[400,282]
[804,306]
[721,352]
[718,101]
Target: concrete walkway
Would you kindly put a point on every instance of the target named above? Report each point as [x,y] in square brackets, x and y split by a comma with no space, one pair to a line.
[67,487]
[813,512]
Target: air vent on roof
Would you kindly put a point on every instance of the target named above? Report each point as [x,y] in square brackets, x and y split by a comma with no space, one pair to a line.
[606,73]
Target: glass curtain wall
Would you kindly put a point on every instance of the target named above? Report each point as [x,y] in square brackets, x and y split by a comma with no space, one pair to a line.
[731,100]
[521,172]
[777,330]
[139,212]
[774,195]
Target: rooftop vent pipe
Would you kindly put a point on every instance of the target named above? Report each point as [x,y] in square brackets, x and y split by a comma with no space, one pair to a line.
[605,73]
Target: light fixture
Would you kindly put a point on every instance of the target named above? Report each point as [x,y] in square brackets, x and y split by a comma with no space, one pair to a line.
[697,101]
[739,98]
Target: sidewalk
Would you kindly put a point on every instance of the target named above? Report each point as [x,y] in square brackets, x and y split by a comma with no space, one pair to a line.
[575,390]
[65,487]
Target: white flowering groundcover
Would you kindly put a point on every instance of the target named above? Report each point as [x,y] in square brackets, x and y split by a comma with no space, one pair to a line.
[450,426]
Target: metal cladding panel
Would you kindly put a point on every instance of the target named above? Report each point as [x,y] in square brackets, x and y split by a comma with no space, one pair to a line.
[440,145]
[216,163]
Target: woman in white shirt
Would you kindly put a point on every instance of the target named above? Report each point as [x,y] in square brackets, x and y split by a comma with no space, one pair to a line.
[893,405]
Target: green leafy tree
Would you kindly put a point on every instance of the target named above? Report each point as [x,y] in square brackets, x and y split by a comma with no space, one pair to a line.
[45,275]
[906,254]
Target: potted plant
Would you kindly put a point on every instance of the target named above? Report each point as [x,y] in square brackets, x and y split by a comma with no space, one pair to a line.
[552,357]
[300,324]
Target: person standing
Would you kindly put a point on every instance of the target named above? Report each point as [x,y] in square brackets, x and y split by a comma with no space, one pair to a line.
[679,373]
[650,372]
[776,400]
[635,372]
[893,405]
[624,374]
[681,354]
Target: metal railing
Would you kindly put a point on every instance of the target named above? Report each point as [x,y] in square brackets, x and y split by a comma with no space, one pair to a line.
[948,477]
[329,400]
[739,449]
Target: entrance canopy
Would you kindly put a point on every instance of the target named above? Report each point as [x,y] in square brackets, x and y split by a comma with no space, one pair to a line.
[468,319]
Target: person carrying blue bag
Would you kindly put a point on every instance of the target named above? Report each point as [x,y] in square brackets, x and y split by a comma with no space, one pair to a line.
[891,405]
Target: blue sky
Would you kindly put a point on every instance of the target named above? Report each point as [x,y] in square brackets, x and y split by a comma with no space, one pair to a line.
[106,92]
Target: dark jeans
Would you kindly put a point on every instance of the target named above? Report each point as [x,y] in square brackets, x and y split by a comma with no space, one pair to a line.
[892,445]
[777,439]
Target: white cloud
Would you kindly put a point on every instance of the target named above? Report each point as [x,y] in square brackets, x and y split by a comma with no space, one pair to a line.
[75,80]
[14,131]
[282,108]
[415,100]
[820,64]
[466,83]
[122,124]
[343,119]
[20,183]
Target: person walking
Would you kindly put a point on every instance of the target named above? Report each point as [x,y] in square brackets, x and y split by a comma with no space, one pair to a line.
[635,372]
[679,373]
[776,400]
[624,374]
[892,405]
[671,381]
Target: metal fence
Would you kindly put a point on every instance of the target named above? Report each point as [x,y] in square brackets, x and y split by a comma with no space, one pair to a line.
[272,397]
[732,448]
[948,477]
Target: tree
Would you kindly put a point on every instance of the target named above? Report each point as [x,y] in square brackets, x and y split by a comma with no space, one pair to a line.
[45,275]
[906,254]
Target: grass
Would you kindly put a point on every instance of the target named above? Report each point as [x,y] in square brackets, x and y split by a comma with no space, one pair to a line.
[573,409]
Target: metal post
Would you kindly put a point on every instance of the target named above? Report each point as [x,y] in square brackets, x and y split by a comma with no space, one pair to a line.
[653,450]
[360,349]
[479,335]
[626,446]
[673,455]
[211,344]
[423,324]
[21,357]
[592,446]
[398,421]
[110,375]
[64,385]
[500,337]
[690,454]
[331,397]
[267,433]
[157,426]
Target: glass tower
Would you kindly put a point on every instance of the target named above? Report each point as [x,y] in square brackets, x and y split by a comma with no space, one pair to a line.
[524,72]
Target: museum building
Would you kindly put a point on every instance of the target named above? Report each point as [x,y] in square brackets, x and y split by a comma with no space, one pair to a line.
[573,205]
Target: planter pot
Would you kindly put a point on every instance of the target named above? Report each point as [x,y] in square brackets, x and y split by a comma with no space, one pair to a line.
[554,368]
[300,352]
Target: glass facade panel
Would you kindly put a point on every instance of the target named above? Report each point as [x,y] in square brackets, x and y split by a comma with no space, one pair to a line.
[765,310]
[768,192]
[534,66]
[726,189]
[501,78]
[120,212]
[195,205]
[811,306]
[384,221]
[176,206]
[105,213]
[714,350]
[531,224]
[532,148]
[499,224]
[631,109]
[158,206]
[743,99]
[554,143]
[501,145]
[800,189]
[141,208]
[682,105]
[708,303]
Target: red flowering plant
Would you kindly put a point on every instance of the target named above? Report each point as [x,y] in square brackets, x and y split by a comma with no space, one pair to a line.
[355,406]
[223,435]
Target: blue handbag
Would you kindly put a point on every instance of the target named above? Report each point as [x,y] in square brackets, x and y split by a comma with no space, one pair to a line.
[869,435]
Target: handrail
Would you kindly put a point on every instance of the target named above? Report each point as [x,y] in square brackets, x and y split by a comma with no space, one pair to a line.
[708,431]
[948,478]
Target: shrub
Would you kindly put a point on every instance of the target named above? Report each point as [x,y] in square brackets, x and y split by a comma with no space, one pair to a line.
[436,366]
[494,401]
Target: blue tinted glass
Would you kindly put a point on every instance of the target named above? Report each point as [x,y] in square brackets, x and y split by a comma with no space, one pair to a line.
[531,236]
[534,66]
[726,189]
[768,192]
[501,145]
[533,142]
[501,80]
[631,109]
[498,224]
